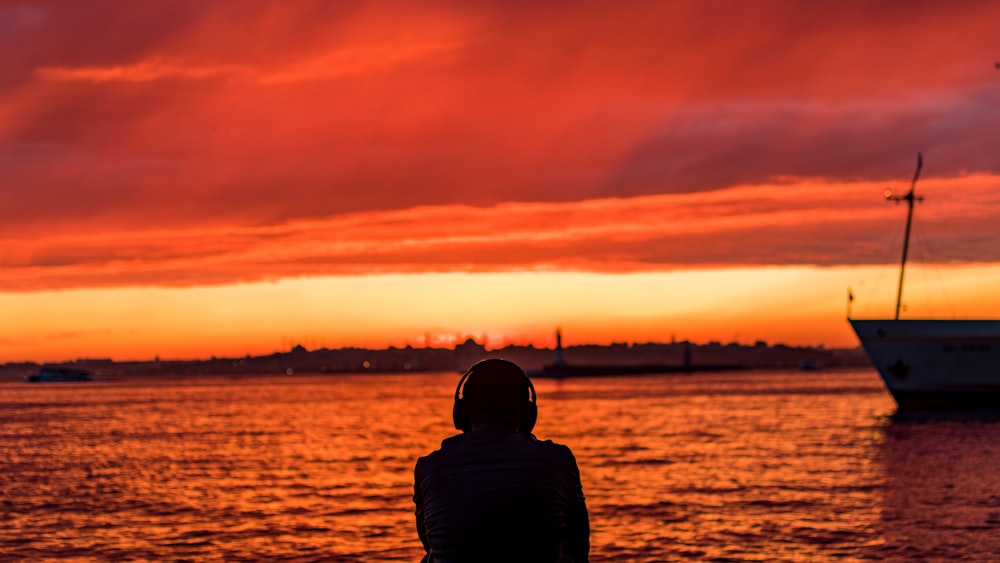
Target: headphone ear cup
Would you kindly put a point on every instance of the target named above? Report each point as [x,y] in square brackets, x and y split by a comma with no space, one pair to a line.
[529,418]
[460,417]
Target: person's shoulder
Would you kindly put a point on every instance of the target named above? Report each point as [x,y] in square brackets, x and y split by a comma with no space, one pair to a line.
[555,449]
[549,443]
[446,444]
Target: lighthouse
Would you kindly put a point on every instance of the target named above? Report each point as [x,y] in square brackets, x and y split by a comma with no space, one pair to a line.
[559,360]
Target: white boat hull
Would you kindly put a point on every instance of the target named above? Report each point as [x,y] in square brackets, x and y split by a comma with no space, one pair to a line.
[935,364]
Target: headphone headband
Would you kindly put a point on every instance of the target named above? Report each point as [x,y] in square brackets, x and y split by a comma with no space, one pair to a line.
[459,412]
[478,365]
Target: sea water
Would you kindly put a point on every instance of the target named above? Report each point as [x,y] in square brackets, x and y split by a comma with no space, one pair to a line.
[755,466]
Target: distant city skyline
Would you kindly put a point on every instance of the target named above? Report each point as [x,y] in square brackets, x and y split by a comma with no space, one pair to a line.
[194,179]
[582,360]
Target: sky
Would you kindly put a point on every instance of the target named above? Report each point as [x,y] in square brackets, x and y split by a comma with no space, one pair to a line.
[184,179]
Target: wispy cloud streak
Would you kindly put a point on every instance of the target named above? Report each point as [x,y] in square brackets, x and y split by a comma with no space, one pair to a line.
[144,71]
[360,59]
[806,222]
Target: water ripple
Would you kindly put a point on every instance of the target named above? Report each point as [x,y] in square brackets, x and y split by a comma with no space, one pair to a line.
[721,467]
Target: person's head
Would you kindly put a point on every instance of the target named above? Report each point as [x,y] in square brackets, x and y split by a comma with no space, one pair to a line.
[495,392]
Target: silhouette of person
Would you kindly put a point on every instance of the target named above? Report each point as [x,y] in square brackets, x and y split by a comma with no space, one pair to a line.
[495,492]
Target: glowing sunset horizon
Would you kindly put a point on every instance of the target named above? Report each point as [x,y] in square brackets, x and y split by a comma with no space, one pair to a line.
[192,179]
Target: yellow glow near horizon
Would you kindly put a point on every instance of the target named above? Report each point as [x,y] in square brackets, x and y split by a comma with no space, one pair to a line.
[791,305]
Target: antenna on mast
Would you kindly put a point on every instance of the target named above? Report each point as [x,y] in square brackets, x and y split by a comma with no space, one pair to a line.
[909,198]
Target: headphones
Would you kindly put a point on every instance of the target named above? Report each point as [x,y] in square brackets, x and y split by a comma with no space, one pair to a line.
[460,415]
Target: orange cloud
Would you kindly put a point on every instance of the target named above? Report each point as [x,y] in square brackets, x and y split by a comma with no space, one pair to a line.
[341,62]
[145,71]
[121,116]
[192,144]
[803,222]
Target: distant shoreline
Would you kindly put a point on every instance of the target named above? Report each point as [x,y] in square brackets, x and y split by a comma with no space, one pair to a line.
[299,360]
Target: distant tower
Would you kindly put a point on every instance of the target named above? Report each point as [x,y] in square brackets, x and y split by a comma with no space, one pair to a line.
[560,360]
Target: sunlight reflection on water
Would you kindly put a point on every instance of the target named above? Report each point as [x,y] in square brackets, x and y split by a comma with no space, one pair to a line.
[745,467]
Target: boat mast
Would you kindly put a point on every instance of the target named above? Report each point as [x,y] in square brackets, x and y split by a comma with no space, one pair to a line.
[909,198]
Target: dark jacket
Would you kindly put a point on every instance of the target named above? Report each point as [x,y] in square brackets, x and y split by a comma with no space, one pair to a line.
[499,496]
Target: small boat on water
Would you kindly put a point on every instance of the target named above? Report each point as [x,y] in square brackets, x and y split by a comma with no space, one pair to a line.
[933,364]
[58,374]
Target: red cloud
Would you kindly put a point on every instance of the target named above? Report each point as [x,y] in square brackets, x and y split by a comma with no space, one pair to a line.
[196,142]
[807,222]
